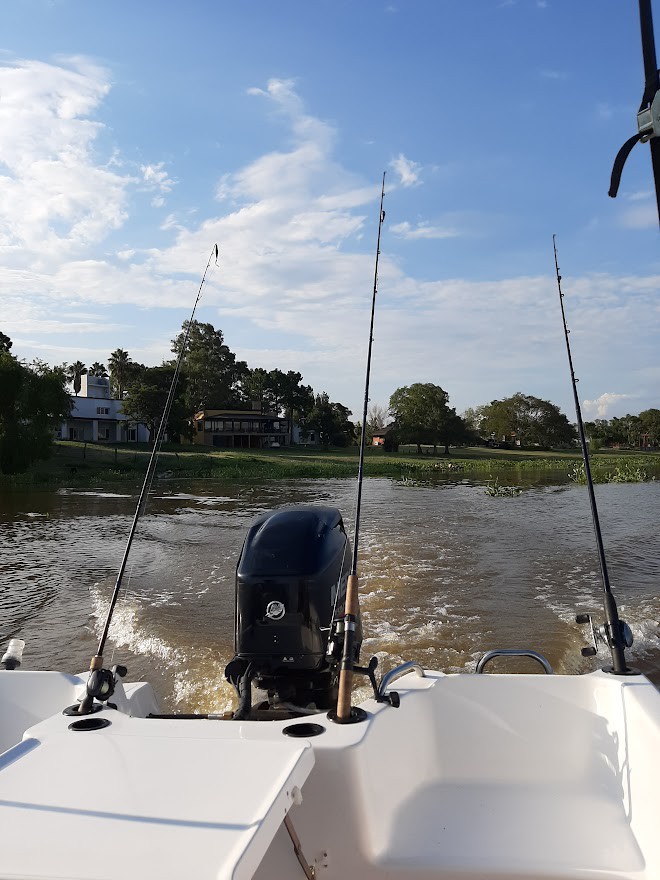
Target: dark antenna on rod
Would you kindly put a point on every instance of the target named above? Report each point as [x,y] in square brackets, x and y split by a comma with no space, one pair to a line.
[648,115]
[352,606]
[615,629]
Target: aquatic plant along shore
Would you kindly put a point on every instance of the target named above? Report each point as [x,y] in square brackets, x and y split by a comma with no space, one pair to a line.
[79,464]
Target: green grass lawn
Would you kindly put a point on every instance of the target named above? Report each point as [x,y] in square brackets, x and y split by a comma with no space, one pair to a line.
[95,463]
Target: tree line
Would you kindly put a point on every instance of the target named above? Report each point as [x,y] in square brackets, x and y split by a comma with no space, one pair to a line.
[212,377]
[522,419]
[642,431]
[421,414]
[33,404]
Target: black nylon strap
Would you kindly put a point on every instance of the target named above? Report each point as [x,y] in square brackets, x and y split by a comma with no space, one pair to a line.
[619,162]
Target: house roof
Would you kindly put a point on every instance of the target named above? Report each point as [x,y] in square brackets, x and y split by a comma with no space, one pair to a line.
[232,413]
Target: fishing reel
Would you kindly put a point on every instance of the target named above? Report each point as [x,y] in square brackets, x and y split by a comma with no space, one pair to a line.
[601,635]
[334,655]
[335,647]
[100,686]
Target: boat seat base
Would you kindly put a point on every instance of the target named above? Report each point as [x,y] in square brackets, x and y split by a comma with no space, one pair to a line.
[463,831]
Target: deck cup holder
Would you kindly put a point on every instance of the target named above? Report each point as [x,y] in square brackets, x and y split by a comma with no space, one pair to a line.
[90,724]
[304,730]
[74,713]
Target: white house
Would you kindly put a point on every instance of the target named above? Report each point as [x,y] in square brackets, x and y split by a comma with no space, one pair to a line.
[96,416]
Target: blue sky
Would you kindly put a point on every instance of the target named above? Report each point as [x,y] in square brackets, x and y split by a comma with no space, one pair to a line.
[135,136]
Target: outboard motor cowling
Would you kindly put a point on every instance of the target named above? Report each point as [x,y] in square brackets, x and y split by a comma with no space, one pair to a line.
[290,586]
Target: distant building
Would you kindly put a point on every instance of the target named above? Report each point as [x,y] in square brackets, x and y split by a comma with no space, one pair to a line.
[240,428]
[97,417]
[380,435]
[303,438]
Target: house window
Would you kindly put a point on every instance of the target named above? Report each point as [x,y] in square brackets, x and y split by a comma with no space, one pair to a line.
[200,426]
[75,434]
[104,433]
[132,435]
[102,411]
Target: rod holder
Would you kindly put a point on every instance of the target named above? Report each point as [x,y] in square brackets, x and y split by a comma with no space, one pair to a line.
[13,656]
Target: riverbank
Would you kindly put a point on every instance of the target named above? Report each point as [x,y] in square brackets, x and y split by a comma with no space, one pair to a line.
[84,464]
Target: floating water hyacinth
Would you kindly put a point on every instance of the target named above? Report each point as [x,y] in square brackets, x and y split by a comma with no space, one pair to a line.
[495,490]
[627,473]
[579,475]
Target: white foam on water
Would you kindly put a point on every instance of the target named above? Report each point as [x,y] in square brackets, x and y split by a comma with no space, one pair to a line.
[194,674]
[207,500]
[202,689]
[443,609]
[93,493]
[125,630]
[643,619]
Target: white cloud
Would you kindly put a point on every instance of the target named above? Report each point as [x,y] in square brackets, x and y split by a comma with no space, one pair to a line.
[407,170]
[59,194]
[286,100]
[422,230]
[294,285]
[600,407]
[55,197]
[548,73]
[281,90]
[156,180]
[642,216]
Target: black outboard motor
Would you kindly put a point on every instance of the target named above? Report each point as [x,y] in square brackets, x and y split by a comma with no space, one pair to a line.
[290,588]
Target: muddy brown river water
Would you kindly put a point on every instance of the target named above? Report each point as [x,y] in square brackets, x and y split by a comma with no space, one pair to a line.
[446,573]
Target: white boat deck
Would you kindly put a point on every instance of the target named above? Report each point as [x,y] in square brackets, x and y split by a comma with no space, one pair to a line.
[144,798]
[472,778]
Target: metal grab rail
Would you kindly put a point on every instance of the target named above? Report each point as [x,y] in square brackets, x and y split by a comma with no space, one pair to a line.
[393,674]
[514,652]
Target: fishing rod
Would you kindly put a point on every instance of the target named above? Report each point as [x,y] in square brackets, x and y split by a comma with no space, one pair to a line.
[352,606]
[617,633]
[648,115]
[100,683]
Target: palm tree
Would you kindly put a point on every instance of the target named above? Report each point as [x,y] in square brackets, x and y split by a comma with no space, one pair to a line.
[74,372]
[119,362]
[99,370]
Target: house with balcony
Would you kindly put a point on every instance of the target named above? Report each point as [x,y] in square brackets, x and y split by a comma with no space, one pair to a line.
[97,417]
[240,428]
